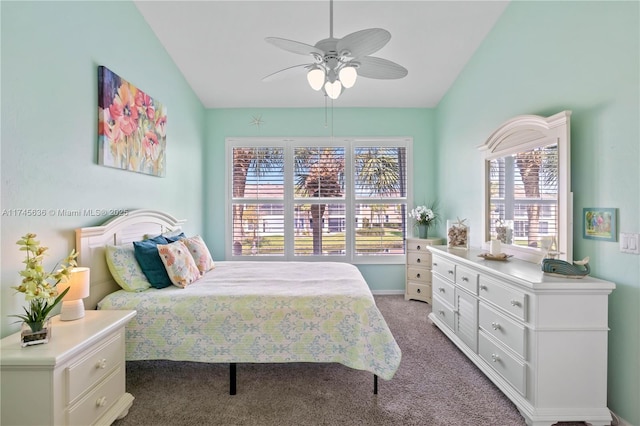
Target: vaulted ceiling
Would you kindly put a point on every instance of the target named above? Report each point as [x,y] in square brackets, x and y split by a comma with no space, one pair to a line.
[220,49]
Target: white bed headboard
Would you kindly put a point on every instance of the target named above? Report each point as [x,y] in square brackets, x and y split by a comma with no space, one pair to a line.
[134,226]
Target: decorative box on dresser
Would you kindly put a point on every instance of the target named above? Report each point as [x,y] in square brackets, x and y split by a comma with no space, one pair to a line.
[418,269]
[78,378]
[541,339]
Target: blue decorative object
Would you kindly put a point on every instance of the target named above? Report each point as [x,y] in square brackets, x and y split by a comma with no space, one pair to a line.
[579,268]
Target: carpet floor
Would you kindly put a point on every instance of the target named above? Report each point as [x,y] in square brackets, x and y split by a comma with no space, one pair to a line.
[435,385]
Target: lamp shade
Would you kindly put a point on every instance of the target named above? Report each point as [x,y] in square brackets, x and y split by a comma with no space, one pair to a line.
[334,89]
[348,76]
[315,77]
[78,284]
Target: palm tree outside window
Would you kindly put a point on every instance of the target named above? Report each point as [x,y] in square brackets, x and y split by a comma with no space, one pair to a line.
[318,198]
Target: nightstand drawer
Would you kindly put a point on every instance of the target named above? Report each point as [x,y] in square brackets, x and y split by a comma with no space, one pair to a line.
[444,268]
[422,275]
[443,289]
[99,400]
[419,259]
[418,245]
[93,366]
[419,291]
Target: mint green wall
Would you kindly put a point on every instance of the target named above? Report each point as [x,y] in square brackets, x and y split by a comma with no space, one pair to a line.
[223,123]
[50,53]
[542,58]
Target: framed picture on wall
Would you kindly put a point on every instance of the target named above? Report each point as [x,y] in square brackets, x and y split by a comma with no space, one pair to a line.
[599,223]
[132,131]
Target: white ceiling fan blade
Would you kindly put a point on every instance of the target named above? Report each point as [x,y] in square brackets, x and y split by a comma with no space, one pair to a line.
[372,67]
[363,42]
[294,46]
[283,73]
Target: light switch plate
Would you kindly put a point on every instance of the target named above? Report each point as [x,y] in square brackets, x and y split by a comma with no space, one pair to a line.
[629,243]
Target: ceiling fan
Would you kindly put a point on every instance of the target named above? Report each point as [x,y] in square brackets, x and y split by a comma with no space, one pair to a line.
[337,62]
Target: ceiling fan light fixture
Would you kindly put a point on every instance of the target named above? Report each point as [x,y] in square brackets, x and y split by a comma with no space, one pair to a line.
[316,78]
[334,89]
[348,76]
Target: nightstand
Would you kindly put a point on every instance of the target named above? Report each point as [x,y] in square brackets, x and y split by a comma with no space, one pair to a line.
[78,378]
[418,269]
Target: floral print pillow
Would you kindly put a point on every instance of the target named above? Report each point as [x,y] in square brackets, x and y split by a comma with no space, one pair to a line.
[200,253]
[180,266]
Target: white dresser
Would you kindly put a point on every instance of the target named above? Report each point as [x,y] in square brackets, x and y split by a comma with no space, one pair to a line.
[78,378]
[541,339]
[418,269]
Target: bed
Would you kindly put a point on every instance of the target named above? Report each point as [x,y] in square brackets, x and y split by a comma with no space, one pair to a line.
[243,312]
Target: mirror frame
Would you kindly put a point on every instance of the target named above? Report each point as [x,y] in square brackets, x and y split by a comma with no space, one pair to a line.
[524,133]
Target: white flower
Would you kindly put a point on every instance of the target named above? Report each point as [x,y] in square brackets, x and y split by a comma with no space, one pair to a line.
[423,215]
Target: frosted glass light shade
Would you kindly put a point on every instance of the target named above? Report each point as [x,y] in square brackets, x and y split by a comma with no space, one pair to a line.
[348,76]
[315,77]
[334,89]
[72,304]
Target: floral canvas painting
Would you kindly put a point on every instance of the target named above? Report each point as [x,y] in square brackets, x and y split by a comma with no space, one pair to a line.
[132,126]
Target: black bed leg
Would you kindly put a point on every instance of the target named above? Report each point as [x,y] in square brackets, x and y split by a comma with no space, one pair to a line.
[375,384]
[232,378]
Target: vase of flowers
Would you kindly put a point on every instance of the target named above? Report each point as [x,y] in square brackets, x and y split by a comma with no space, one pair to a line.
[39,288]
[425,217]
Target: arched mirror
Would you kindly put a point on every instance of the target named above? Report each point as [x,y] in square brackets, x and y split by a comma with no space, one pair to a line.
[528,203]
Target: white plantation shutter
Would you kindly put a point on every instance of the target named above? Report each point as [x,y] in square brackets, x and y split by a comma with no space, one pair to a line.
[524,193]
[318,199]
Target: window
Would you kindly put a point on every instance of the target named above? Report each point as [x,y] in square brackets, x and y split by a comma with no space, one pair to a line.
[318,198]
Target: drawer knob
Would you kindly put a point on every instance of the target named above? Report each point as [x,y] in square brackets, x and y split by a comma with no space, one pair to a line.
[435,263]
[514,302]
[417,275]
[483,287]
[418,291]
[418,260]
[441,312]
[101,402]
[441,289]
[465,279]
[495,357]
[495,325]
[418,247]
[450,271]
[102,363]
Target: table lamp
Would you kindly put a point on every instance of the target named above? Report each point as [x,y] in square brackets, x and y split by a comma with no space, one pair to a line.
[72,304]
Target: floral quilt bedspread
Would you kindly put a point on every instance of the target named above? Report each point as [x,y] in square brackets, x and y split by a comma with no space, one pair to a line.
[263,312]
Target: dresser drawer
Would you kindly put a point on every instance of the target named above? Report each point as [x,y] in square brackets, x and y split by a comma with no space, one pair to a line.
[419,259]
[444,289]
[510,368]
[504,329]
[443,311]
[506,298]
[422,275]
[444,268]
[93,366]
[419,291]
[99,400]
[467,278]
